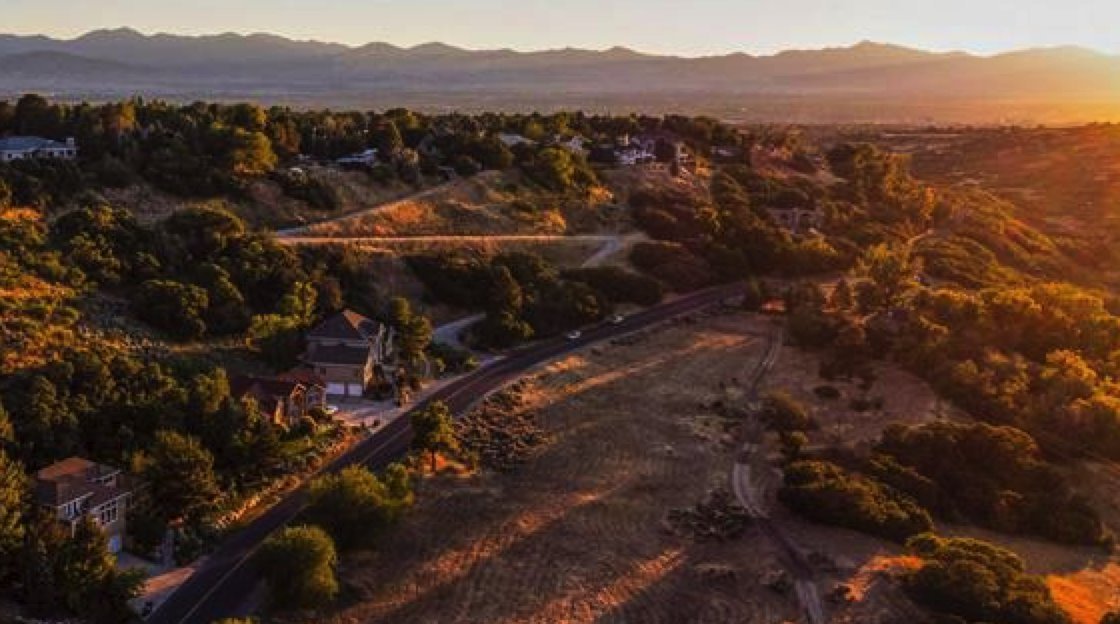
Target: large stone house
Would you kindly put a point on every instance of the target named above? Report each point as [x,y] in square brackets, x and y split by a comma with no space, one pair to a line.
[77,487]
[284,400]
[21,147]
[348,351]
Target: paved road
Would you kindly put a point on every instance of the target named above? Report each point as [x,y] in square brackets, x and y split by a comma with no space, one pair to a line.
[219,587]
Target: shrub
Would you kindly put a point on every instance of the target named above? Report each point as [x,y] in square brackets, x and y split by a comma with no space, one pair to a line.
[173,307]
[355,506]
[978,582]
[673,264]
[827,493]
[783,413]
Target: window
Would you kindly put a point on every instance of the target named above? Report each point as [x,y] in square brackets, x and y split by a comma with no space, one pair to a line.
[108,513]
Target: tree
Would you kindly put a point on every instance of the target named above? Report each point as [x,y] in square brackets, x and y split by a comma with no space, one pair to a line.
[180,473]
[783,413]
[891,273]
[355,506]
[299,566]
[75,575]
[434,431]
[299,304]
[279,339]
[13,491]
[414,331]
[7,431]
[173,307]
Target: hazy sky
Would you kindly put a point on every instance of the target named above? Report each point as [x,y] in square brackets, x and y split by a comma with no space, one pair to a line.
[689,27]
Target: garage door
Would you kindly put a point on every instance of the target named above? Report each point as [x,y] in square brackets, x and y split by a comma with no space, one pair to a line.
[336,389]
[354,390]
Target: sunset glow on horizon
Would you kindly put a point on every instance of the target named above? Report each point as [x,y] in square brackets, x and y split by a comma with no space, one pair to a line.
[658,26]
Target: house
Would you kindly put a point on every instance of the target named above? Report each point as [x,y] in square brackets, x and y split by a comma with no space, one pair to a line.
[575,145]
[22,147]
[284,400]
[367,158]
[348,351]
[76,487]
[512,140]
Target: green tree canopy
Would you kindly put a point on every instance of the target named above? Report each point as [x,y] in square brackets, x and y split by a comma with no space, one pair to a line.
[180,474]
[298,564]
[355,506]
[434,431]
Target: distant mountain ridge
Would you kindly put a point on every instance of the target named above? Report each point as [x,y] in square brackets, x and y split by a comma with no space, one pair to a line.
[123,62]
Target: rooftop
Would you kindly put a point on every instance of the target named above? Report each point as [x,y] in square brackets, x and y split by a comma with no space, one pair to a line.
[27,143]
[338,354]
[75,478]
[346,325]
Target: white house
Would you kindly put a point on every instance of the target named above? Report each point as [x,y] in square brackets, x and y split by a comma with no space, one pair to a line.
[366,158]
[21,147]
[510,139]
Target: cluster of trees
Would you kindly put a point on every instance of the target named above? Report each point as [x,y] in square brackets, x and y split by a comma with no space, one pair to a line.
[347,511]
[209,149]
[992,476]
[733,236]
[978,582]
[827,493]
[524,296]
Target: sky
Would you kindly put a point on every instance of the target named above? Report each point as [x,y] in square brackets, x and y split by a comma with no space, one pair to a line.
[684,27]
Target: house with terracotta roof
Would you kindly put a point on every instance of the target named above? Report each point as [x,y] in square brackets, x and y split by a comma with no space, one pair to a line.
[347,351]
[76,487]
[283,400]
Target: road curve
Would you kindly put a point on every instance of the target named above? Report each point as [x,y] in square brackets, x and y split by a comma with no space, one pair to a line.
[219,587]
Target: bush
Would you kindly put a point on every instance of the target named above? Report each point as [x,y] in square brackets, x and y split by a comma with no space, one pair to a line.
[978,582]
[992,476]
[355,506]
[825,492]
[783,413]
[298,563]
[672,264]
[173,307]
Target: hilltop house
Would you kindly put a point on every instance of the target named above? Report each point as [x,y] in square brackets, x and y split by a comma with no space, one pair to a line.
[23,147]
[366,158]
[77,487]
[348,351]
[284,400]
[511,140]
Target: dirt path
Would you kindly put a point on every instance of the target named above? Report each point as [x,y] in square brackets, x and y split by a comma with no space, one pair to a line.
[749,483]
[358,214]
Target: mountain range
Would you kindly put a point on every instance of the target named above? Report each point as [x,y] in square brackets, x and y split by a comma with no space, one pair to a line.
[867,81]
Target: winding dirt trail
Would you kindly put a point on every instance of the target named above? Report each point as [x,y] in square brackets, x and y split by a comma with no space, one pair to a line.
[749,483]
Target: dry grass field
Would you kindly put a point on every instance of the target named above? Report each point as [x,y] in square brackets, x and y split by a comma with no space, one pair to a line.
[636,428]
[578,533]
[490,203]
